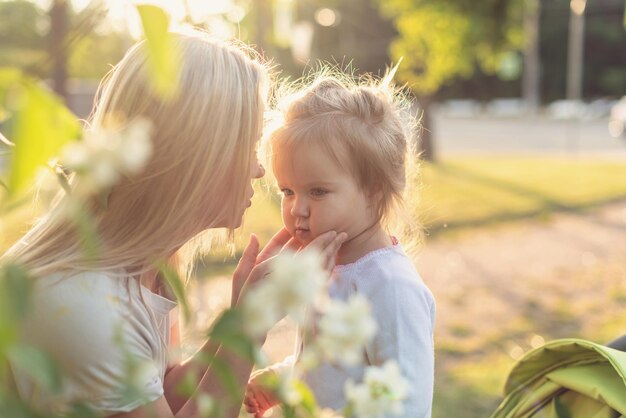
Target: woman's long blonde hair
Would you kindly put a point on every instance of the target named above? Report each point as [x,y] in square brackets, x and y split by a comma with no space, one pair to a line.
[204,143]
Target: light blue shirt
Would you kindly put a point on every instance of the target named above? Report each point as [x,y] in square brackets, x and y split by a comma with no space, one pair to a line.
[404,310]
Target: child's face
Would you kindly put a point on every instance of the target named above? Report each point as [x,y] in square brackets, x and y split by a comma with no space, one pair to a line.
[318,195]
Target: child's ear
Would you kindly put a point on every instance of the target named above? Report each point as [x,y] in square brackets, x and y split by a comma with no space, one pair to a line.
[375,198]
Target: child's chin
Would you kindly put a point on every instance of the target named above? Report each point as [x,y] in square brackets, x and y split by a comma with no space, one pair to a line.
[303,237]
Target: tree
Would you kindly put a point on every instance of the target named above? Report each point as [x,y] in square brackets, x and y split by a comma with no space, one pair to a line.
[441,40]
[57,43]
[22,35]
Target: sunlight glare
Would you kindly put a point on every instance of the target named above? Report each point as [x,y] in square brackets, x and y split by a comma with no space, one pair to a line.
[122,14]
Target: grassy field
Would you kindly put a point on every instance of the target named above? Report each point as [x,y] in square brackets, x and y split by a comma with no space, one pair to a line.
[458,195]
[482,191]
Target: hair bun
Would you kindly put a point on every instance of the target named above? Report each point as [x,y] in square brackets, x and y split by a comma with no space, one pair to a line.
[370,104]
[330,96]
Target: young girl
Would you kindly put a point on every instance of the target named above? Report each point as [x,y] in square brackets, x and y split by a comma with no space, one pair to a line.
[340,159]
[95,316]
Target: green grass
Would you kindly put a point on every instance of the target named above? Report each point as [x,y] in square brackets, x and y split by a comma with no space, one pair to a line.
[489,190]
[485,191]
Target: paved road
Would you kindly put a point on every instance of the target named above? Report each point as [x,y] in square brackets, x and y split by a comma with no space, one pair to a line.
[483,134]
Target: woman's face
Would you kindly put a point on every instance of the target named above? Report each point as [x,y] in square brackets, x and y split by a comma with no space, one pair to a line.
[256,171]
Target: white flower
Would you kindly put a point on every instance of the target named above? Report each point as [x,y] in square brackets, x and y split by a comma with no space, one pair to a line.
[103,155]
[290,390]
[345,328]
[137,147]
[381,393]
[327,413]
[259,311]
[293,284]
[206,405]
[296,280]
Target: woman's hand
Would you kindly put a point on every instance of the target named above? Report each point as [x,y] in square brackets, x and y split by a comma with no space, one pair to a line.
[251,258]
[253,266]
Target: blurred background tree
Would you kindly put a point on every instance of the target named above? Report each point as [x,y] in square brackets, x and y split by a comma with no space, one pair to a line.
[452,49]
[59,43]
[444,40]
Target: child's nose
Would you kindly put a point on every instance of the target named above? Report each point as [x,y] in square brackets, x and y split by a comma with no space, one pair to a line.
[300,208]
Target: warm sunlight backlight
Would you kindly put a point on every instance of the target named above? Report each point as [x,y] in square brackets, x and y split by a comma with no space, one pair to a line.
[122,13]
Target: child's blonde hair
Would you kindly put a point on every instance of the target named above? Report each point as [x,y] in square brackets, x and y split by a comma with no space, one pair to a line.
[204,143]
[366,127]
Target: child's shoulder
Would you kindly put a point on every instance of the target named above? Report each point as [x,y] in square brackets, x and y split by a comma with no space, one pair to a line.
[386,267]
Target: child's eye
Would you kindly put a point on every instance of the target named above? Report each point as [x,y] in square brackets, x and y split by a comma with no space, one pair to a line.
[318,192]
[286,192]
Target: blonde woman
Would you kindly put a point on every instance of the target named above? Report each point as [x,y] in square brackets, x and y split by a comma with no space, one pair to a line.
[99,317]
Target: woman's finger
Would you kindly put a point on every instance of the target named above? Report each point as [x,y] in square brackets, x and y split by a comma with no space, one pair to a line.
[292,245]
[329,253]
[322,241]
[249,257]
[244,267]
[274,245]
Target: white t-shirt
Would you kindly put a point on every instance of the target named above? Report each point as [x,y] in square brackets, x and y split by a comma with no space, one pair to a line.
[404,310]
[104,331]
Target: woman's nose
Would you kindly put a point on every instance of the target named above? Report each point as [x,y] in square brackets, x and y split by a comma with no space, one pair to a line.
[259,172]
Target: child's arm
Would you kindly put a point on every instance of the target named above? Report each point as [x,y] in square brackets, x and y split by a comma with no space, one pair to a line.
[404,311]
[259,398]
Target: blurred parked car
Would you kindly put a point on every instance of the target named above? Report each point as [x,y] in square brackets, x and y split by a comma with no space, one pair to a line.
[617,120]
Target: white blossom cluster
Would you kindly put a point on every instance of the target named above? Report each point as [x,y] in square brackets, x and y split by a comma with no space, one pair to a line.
[296,285]
[291,287]
[344,328]
[382,392]
[104,155]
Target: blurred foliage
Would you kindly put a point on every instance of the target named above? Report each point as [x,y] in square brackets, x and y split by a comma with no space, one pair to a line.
[162,57]
[38,125]
[91,47]
[23,24]
[442,40]
[604,73]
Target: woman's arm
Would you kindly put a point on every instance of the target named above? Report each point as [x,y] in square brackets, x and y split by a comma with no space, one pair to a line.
[208,377]
[211,384]
[197,367]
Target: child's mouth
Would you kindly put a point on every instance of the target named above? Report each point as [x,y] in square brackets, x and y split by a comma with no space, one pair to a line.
[302,233]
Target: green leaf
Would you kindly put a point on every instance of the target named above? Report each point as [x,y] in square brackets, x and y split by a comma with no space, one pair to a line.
[308,398]
[9,77]
[40,126]
[228,331]
[38,365]
[289,411]
[163,56]
[226,377]
[12,407]
[187,385]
